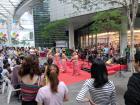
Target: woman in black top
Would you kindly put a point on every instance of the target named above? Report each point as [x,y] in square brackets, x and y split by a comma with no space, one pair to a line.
[132,95]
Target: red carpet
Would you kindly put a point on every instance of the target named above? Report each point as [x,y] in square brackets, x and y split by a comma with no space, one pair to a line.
[69,79]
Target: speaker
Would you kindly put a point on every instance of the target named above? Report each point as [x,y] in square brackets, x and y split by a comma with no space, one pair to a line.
[122,61]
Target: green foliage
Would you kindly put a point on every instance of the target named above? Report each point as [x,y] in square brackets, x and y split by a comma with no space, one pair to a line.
[82,4]
[48,29]
[106,21]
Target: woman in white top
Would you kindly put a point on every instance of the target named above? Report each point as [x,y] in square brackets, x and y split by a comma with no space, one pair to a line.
[102,91]
[55,92]
[5,72]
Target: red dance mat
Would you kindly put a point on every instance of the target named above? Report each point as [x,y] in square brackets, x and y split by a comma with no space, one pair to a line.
[69,79]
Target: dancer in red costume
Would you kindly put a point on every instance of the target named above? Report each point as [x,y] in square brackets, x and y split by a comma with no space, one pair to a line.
[64,62]
[75,64]
[57,58]
[49,54]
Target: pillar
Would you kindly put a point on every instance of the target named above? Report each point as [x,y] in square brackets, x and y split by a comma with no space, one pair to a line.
[71,36]
[9,29]
[123,35]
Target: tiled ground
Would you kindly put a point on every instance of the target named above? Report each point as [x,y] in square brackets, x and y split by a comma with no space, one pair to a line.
[119,82]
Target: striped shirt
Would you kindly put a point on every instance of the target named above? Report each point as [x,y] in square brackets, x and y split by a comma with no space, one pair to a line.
[29,92]
[105,95]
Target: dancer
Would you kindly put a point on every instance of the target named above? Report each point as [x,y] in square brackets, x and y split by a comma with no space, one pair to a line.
[64,62]
[49,54]
[57,58]
[75,64]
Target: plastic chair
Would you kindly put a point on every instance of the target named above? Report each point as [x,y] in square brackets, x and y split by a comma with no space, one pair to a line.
[3,84]
[3,87]
[10,90]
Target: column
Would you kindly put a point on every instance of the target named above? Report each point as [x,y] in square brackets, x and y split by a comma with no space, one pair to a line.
[33,29]
[71,37]
[123,36]
[9,29]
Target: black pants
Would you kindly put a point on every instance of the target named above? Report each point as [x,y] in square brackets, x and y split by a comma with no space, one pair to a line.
[29,103]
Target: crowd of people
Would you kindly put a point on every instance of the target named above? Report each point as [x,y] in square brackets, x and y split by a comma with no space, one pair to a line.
[40,84]
[103,51]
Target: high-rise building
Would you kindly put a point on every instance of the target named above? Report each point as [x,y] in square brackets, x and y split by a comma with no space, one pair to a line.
[41,14]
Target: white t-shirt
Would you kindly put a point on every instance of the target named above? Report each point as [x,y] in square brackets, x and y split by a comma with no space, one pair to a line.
[5,72]
[46,97]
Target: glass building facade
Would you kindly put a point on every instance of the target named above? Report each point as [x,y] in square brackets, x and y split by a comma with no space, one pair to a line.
[41,14]
[85,39]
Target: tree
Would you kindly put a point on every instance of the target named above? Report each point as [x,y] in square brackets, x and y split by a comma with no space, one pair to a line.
[130,6]
[49,28]
[106,21]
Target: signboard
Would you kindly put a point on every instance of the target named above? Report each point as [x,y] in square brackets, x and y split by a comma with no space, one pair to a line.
[61,44]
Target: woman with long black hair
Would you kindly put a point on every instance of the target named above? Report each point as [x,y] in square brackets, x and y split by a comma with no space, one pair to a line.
[102,90]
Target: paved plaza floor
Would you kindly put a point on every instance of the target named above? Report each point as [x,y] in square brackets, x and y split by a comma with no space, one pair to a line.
[119,81]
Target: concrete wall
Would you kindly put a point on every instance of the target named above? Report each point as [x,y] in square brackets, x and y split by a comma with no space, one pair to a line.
[60,10]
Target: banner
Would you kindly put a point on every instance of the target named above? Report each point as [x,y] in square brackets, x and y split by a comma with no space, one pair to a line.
[62,44]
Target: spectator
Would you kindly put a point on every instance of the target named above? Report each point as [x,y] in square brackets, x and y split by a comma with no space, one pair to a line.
[30,80]
[1,64]
[44,78]
[106,51]
[5,72]
[137,55]
[1,60]
[102,90]
[127,51]
[15,77]
[132,95]
[55,92]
